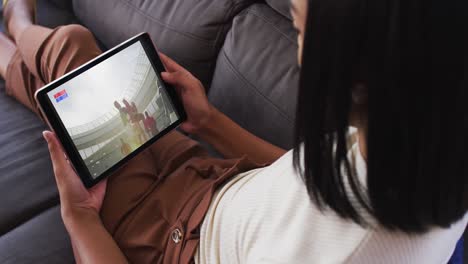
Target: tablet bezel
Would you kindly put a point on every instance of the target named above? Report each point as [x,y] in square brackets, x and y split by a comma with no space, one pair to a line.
[58,127]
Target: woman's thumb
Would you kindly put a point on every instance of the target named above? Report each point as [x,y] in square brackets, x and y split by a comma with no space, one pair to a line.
[56,154]
[49,137]
[178,79]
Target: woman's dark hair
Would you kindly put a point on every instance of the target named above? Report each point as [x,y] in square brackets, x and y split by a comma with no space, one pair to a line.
[412,55]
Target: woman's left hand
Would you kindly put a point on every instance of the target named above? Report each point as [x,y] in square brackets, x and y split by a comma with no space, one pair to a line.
[76,201]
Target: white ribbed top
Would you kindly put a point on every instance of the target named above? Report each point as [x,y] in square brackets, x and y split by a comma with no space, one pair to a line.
[266,216]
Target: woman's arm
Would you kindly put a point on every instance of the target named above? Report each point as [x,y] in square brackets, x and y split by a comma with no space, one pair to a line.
[91,241]
[212,126]
[80,211]
[233,141]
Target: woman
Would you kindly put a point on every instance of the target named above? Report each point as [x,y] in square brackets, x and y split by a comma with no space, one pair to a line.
[150,125]
[399,195]
[122,112]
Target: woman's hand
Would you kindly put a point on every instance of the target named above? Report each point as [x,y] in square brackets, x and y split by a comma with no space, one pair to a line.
[191,91]
[76,201]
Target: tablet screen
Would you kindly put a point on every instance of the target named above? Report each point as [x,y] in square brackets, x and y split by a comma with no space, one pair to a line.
[113,108]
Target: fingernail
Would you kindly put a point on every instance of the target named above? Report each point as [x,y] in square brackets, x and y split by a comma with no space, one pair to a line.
[164,74]
[46,135]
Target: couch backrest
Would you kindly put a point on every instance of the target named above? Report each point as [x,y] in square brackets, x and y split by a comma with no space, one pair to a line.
[256,76]
[281,6]
[190,31]
[66,5]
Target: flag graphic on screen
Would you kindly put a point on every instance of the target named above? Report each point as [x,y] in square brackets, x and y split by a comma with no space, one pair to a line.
[60,95]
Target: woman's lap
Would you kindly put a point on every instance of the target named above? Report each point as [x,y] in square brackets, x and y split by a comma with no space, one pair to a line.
[140,176]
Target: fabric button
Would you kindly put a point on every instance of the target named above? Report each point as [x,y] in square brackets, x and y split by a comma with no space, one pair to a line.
[176,236]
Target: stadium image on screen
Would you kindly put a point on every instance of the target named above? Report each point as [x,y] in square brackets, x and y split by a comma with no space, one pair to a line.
[112,109]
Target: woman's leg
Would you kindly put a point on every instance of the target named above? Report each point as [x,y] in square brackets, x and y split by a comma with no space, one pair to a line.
[18,15]
[7,50]
[43,55]
[130,185]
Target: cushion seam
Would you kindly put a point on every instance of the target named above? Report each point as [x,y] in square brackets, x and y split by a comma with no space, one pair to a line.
[279,11]
[28,219]
[223,27]
[219,41]
[256,14]
[165,25]
[229,63]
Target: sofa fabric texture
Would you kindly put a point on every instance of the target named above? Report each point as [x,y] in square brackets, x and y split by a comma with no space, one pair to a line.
[190,31]
[24,168]
[42,239]
[281,6]
[256,76]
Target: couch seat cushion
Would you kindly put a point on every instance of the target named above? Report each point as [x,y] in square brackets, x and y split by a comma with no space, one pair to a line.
[27,184]
[42,239]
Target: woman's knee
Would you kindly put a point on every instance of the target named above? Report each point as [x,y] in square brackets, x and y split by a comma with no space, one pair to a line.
[74,34]
[71,46]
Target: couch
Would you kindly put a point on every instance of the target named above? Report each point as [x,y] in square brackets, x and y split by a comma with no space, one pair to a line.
[244,52]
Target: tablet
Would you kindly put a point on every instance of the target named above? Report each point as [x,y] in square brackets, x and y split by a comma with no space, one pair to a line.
[107,111]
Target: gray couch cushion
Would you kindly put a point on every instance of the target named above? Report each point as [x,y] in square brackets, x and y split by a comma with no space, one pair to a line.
[190,31]
[255,81]
[43,239]
[281,6]
[54,13]
[64,5]
[27,185]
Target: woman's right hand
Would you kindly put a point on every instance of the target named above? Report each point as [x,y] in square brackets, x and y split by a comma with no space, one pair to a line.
[76,202]
[192,93]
